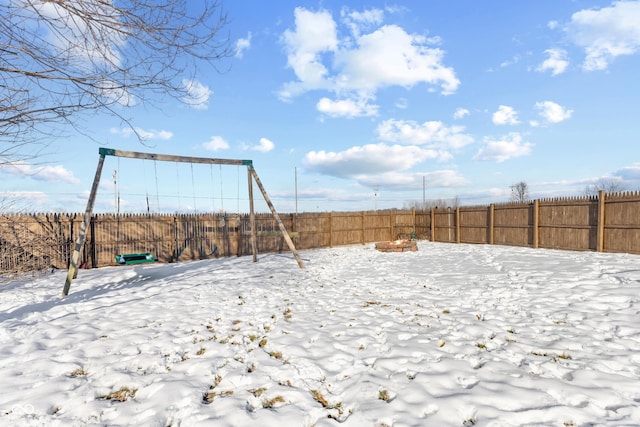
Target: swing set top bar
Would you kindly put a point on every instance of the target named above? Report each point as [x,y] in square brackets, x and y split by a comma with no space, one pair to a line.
[168,158]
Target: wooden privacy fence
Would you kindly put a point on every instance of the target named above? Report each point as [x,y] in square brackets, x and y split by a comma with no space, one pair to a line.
[41,241]
[600,223]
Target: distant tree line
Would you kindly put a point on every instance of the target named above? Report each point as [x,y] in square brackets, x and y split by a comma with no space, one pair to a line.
[609,185]
[433,203]
[520,193]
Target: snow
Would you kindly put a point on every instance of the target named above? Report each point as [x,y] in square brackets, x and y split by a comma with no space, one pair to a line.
[450,335]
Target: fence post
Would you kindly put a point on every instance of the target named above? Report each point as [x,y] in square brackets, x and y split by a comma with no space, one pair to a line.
[492,223]
[175,238]
[239,235]
[294,222]
[433,225]
[330,229]
[458,237]
[70,240]
[94,263]
[362,227]
[413,221]
[392,223]
[600,219]
[536,223]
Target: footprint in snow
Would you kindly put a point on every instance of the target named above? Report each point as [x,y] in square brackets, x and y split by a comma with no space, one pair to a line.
[430,410]
[467,382]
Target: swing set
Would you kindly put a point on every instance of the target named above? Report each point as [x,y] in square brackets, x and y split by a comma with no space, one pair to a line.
[138,258]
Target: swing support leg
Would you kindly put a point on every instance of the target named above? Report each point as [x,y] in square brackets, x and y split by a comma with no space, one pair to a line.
[82,236]
[286,236]
[252,217]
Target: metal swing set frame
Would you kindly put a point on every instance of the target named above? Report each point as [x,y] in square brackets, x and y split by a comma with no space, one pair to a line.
[252,175]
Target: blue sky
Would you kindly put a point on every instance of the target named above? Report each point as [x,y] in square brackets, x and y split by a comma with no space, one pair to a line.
[371,104]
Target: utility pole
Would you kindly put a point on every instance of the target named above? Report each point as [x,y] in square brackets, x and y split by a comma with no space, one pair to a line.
[115,192]
[424,199]
[295,171]
[375,198]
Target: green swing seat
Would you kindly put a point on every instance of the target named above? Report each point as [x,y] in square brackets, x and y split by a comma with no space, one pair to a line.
[128,259]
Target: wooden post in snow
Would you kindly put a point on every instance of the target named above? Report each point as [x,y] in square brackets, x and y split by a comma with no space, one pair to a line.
[286,236]
[392,222]
[331,229]
[252,217]
[492,223]
[79,246]
[536,224]
[433,225]
[600,221]
[458,228]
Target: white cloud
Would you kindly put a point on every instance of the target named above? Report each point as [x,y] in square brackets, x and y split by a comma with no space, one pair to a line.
[366,160]
[361,63]
[505,116]
[399,181]
[506,63]
[629,172]
[630,176]
[198,95]
[444,178]
[552,112]
[143,134]
[461,113]
[154,134]
[347,108]
[242,45]
[314,34]
[357,21]
[106,183]
[556,62]
[216,143]
[383,166]
[402,103]
[434,134]
[509,62]
[390,56]
[606,33]
[264,146]
[366,17]
[41,173]
[500,150]
[311,193]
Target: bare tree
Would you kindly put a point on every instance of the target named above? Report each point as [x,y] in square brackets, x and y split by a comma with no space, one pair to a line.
[520,192]
[60,58]
[609,185]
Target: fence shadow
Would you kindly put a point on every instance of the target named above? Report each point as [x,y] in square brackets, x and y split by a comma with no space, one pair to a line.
[142,276]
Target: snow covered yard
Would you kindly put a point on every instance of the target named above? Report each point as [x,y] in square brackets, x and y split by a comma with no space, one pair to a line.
[451,335]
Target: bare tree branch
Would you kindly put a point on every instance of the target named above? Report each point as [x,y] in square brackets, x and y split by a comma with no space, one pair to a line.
[60,59]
